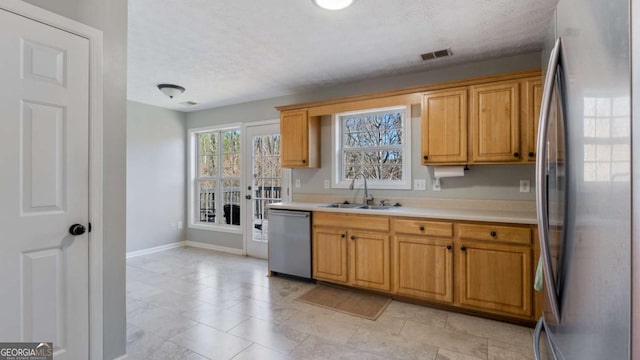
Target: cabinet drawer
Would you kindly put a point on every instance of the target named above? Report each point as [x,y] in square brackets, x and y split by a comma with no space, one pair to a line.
[422,227]
[498,233]
[351,221]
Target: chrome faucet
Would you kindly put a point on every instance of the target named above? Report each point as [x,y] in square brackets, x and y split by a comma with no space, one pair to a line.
[366,197]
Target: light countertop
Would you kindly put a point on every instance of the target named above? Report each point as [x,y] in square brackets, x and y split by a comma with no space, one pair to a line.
[488,215]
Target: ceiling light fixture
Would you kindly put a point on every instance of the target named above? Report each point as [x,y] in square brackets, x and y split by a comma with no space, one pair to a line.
[333,4]
[171,90]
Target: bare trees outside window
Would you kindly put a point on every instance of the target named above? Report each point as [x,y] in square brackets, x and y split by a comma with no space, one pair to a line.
[374,142]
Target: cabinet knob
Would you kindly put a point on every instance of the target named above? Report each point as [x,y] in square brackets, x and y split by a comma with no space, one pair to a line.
[426,157]
[531,154]
[343,236]
[304,161]
[493,233]
[421,228]
[463,248]
[353,237]
[448,247]
[516,154]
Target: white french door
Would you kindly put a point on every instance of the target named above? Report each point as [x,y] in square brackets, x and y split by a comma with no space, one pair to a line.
[44,186]
[266,183]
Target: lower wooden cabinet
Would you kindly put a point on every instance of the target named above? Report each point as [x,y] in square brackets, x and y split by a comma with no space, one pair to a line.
[369,255]
[330,254]
[345,252]
[478,266]
[423,267]
[495,277]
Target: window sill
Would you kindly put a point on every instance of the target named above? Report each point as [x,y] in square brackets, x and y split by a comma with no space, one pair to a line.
[217,228]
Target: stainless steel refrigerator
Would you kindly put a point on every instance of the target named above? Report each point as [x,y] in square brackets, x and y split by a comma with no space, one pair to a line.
[587,193]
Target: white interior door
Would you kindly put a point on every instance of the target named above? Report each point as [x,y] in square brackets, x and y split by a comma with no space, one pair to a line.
[266,183]
[44,291]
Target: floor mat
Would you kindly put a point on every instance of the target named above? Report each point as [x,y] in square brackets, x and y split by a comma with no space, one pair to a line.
[364,305]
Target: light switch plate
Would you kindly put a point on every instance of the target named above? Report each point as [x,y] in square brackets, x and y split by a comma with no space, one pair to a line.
[525,186]
[419,184]
[326,184]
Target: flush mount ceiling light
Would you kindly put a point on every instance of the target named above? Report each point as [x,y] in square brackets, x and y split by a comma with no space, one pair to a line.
[171,90]
[333,4]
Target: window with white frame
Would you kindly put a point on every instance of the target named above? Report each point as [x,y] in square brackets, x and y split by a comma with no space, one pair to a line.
[215,174]
[375,143]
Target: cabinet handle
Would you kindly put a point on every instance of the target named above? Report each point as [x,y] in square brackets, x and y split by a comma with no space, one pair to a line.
[493,233]
[463,248]
[448,247]
[532,154]
[343,236]
[421,228]
[426,157]
[353,237]
[516,154]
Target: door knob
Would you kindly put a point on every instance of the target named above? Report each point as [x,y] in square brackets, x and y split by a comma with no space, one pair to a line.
[77,229]
[248,197]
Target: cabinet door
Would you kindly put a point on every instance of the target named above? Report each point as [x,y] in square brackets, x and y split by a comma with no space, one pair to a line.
[370,260]
[423,267]
[495,277]
[495,128]
[531,113]
[444,127]
[294,135]
[330,254]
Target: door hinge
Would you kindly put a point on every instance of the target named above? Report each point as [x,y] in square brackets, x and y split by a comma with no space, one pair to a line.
[89,227]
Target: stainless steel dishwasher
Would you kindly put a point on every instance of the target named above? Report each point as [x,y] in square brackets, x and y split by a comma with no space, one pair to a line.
[290,242]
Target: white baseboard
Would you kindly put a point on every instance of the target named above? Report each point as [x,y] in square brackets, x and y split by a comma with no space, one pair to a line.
[214,247]
[156,249]
[123,357]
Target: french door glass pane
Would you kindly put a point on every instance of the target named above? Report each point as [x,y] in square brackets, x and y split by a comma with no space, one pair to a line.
[266,181]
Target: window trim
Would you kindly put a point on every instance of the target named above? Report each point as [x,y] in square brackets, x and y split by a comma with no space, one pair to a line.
[192,177]
[336,146]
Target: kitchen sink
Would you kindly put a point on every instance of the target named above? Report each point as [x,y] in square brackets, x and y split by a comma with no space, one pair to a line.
[342,206]
[357,206]
[374,207]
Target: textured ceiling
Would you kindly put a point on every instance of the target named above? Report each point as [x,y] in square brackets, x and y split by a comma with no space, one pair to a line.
[232,51]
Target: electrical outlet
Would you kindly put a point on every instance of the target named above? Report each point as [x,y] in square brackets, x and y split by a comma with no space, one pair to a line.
[326,184]
[525,186]
[419,184]
[297,183]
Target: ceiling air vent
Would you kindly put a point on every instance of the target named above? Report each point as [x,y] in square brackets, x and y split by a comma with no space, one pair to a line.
[188,103]
[436,54]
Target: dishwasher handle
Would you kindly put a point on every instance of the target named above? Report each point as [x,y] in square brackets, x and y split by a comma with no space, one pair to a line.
[290,213]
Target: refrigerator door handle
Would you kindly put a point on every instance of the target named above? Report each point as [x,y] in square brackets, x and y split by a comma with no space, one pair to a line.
[541,188]
[536,339]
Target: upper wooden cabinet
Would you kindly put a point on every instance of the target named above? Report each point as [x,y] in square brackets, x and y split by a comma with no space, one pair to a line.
[532,95]
[495,122]
[299,140]
[444,126]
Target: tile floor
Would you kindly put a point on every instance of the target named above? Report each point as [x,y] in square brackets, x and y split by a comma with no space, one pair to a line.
[195,304]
